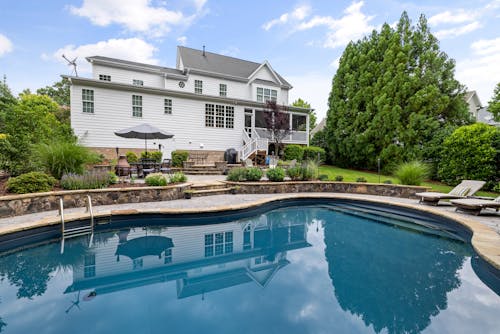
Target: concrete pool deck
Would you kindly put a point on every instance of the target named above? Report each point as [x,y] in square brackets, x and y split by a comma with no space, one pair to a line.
[486,227]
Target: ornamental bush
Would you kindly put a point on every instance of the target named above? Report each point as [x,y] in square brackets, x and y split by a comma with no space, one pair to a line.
[412,173]
[253,174]
[276,174]
[294,173]
[471,153]
[313,152]
[155,155]
[178,177]
[237,174]
[294,152]
[178,157]
[132,157]
[58,158]
[31,183]
[156,179]
[89,180]
[309,170]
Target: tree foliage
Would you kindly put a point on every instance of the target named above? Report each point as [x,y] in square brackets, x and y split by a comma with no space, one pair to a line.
[494,103]
[312,115]
[393,95]
[471,152]
[277,122]
[60,93]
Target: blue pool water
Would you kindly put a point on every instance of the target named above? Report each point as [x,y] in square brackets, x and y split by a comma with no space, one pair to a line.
[312,269]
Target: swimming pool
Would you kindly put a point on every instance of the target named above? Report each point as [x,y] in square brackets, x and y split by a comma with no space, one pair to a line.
[322,268]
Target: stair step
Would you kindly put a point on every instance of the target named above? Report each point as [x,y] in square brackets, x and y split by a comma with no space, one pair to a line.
[208,186]
[207,192]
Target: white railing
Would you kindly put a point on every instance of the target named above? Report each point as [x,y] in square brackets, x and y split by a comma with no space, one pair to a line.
[252,144]
[296,137]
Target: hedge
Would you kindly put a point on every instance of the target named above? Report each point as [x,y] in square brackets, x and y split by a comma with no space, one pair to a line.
[178,157]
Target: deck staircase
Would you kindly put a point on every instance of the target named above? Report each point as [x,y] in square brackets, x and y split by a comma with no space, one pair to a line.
[254,148]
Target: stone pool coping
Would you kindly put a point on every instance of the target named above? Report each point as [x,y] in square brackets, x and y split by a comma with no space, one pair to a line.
[485,240]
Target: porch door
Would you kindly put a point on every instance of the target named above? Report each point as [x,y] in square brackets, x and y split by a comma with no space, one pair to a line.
[248,121]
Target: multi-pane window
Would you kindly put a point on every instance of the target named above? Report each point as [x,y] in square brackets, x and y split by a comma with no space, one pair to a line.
[218,243]
[136,82]
[209,114]
[219,116]
[88,100]
[89,266]
[137,264]
[229,117]
[104,77]
[168,256]
[266,94]
[168,106]
[136,105]
[247,243]
[198,87]
[223,90]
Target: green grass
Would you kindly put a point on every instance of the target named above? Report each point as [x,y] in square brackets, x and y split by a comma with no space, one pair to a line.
[351,175]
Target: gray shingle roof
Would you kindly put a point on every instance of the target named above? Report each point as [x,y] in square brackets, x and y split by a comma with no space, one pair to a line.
[215,63]
[135,64]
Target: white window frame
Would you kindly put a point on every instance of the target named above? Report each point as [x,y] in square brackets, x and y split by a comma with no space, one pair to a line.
[137,82]
[104,77]
[137,106]
[88,101]
[198,86]
[209,115]
[222,90]
[167,106]
[266,94]
[229,124]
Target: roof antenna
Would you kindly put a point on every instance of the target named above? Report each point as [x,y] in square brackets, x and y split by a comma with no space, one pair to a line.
[203,50]
[72,63]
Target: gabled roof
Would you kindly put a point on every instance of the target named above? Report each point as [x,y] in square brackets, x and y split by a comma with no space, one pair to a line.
[472,94]
[132,64]
[223,65]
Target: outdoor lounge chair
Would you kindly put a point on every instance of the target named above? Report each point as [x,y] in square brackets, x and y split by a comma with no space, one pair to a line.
[475,205]
[465,188]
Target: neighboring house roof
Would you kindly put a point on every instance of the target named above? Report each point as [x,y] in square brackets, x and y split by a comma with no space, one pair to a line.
[484,116]
[224,65]
[319,127]
[469,95]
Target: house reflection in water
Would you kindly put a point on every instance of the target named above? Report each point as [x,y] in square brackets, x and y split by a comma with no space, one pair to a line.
[199,258]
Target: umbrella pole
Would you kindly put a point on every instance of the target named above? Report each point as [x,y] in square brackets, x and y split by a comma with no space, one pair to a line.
[146,146]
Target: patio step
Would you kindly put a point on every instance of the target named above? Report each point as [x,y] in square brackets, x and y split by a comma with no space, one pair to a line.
[209,192]
[208,186]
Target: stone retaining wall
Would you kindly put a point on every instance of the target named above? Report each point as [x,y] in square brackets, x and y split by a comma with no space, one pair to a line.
[16,205]
[393,190]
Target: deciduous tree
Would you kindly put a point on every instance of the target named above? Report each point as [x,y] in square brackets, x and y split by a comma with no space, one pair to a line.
[494,103]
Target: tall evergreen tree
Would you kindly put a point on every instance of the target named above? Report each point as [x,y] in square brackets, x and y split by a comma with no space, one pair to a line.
[494,103]
[393,97]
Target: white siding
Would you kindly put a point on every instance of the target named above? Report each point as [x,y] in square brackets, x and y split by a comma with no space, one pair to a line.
[237,90]
[113,111]
[126,76]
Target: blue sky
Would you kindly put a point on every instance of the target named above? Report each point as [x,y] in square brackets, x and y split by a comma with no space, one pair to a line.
[303,40]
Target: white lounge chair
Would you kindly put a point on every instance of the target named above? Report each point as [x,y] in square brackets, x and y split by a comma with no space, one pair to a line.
[465,188]
[475,205]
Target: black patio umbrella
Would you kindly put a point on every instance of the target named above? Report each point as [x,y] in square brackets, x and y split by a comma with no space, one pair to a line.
[144,131]
[142,246]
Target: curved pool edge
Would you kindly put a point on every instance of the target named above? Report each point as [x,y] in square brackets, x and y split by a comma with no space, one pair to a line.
[485,241]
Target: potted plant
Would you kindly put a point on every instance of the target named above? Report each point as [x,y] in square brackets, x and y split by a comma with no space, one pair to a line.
[188,194]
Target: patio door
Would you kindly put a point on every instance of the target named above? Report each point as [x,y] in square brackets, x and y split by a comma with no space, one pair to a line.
[248,121]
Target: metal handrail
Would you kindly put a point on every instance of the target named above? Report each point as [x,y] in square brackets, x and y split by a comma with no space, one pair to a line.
[91,211]
[61,213]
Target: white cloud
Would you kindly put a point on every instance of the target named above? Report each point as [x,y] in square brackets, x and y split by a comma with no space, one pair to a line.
[133,49]
[457,31]
[314,88]
[447,17]
[352,26]
[298,14]
[481,71]
[134,15]
[182,40]
[5,45]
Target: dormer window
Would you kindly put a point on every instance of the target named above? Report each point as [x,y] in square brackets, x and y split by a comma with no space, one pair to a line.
[266,94]
[198,87]
[104,77]
[136,82]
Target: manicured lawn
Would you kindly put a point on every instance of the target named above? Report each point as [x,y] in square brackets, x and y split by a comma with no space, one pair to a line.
[351,175]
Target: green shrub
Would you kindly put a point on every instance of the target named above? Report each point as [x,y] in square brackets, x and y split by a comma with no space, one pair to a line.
[309,170]
[237,174]
[323,177]
[132,157]
[471,153]
[253,174]
[293,152]
[276,174]
[113,179]
[31,183]
[294,173]
[155,155]
[360,179]
[312,153]
[412,173]
[89,180]
[178,177]
[339,178]
[178,157]
[58,158]
[156,179]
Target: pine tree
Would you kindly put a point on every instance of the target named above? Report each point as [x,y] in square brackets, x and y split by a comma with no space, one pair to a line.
[393,97]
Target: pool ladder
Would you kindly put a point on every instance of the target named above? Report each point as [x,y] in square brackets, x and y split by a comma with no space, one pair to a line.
[77,231]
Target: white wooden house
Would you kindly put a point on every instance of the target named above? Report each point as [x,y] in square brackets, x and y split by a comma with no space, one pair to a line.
[209,102]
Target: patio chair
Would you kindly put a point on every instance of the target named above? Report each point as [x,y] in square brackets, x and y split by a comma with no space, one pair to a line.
[475,205]
[166,166]
[148,166]
[465,188]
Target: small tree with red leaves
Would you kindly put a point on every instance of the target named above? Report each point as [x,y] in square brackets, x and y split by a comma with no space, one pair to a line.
[277,122]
